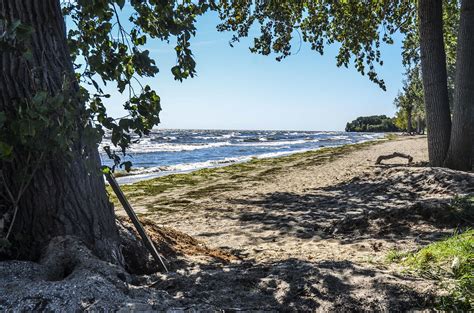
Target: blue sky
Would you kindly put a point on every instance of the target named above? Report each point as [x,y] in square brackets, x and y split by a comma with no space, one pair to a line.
[235,89]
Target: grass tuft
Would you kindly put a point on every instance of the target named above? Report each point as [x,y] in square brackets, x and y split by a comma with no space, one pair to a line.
[395,256]
[451,262]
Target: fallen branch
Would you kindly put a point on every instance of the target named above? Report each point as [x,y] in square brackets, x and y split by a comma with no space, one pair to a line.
[128,208]
[394,155]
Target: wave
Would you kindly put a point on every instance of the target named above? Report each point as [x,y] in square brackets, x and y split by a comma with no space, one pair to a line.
[274,143]
[187,167]
[147,147]
[336,138]
[208,137]
[251,142]
[373,136]
[282,153]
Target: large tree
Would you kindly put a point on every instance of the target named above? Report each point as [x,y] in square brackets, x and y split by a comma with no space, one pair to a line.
[50,182]
[461,149]
[359,28]
[50,178]
[413,93]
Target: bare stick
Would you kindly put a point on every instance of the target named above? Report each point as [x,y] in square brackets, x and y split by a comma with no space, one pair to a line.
[128,208]
[394,155]
[23,187]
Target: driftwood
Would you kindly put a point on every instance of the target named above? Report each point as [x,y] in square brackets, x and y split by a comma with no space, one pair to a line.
[128,208]
[394,155]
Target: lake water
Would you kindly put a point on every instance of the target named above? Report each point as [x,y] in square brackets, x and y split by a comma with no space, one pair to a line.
[170,151]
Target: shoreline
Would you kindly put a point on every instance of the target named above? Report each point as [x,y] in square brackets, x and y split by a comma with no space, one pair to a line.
[125,178]
[330,211]
[298,231]
[179,189]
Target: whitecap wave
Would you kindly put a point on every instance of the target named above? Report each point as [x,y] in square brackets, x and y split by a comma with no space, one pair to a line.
[147,147]
[272,143]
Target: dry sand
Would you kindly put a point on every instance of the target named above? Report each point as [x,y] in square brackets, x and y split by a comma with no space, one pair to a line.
[335,220]
[296,213]
[311,236]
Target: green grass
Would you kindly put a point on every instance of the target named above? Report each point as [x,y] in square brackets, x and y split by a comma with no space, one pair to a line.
[451,262]
[395,256]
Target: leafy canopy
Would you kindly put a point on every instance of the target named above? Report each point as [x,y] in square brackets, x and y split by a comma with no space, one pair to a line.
[109,49]
[108,44]
[357,27]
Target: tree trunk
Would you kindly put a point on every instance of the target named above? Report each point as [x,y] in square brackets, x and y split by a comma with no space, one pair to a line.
[409,120]
[433,65]
[460,149]
[418,125]
[66,196]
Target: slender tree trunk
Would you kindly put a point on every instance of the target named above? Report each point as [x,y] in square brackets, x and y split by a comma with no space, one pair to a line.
[66,195]
[460,149]
[433,65]
[410,121]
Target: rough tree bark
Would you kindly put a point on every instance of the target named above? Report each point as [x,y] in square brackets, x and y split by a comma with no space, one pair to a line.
[65,197]
[434,74]
[460,149]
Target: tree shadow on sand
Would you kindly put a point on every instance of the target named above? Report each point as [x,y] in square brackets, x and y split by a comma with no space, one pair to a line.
[392,204]
[292,284]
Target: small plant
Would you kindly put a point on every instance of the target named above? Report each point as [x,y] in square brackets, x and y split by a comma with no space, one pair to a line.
[450,261]
[395,255]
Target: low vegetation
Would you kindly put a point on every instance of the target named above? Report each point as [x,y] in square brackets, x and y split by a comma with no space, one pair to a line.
[449,261]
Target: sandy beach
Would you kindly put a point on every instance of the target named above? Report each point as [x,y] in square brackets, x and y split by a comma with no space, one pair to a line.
[305,232]
[332,212]
[282,211]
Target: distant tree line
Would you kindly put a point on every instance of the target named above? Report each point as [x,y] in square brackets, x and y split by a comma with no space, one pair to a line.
[411,115]
[374,123]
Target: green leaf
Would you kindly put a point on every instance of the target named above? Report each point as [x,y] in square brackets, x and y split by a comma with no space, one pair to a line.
[121,3]
[28,55]
[5,150]
[40,97]
[105,170]
[176,71]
